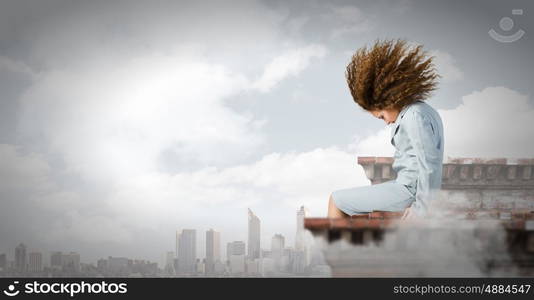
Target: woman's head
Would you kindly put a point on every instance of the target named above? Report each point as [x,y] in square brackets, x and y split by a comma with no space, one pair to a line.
[389,115]
[390,75]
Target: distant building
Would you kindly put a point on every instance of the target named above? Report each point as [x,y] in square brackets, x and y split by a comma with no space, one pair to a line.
[299,236]
[169,263]
[277,243]
[252,266]
[71,262]
[266,253]
[56,260]
[187,251]
[169,259]
[118,265]
[35,262]
[144,268]
[177,244]
[20,258]
[266,266]
[200,266]
[303,238]
[3,262]
[236,248]
[213,250]
[236,257]
[219,268]
[297,262]
[237,263]
[102,265]
[277,249]
[253,235]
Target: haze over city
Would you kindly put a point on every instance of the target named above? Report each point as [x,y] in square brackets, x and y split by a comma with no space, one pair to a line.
[122,122]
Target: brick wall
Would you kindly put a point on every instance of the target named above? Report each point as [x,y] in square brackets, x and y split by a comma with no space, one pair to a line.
[472,183]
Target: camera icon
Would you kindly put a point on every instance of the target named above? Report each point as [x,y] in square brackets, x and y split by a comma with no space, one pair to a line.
[506,24]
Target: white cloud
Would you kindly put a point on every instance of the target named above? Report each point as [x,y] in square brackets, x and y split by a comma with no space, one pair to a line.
[65,35]
[288,64]
[117,127]
[274,186]
[137,124]
[7,64]
[290,179]
[446,66]
[20,171]
[296,24]
[493,122]
[96,229]
[118,122]
[377,144]
[346,19]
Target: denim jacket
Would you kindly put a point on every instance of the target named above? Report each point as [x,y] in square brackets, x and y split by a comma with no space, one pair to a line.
[417,136]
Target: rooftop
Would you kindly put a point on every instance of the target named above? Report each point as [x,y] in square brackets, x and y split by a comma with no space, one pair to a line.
[491,195]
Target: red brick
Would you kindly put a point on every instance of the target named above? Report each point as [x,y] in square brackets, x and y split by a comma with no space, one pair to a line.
[366,160]
[384,160]
[316,223]
[340,223]
[525,161]
[490,161]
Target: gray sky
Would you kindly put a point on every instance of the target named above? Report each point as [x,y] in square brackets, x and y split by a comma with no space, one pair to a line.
[122,121]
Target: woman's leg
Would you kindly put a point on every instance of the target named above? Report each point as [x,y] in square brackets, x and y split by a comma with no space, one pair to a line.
[333,211]
[385,196]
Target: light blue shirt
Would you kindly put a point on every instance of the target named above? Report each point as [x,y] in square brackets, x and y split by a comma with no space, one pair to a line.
[417,136]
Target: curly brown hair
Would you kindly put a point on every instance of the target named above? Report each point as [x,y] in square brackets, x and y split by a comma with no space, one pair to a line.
[390,75]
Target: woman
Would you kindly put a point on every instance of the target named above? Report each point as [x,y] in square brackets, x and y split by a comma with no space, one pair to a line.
[391,81]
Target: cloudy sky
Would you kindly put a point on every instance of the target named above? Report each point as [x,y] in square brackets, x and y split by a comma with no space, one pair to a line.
[123,121]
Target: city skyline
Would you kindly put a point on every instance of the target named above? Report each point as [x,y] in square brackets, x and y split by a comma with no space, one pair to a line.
[184,260]
[124,121]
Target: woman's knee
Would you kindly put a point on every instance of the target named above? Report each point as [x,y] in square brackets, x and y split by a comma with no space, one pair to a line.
[331,198]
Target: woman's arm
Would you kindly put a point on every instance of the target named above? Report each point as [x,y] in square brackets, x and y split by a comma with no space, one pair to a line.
[424,140]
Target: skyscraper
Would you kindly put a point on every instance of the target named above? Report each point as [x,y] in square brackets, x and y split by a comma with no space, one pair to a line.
[277,249]
[236,256]
[300,235]
[177,243]
[277,243]
[3,262]
[20,258]
[236,248]
[35,262]
[187,251]
[56,260]
[71,262]
[169,263]
[253,235]
[302,240]
[102,265]
[169,259]
[213,249]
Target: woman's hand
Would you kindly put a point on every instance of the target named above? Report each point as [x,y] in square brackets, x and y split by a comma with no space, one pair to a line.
[409,214]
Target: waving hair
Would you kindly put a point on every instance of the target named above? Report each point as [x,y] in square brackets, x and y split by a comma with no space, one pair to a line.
[390,74]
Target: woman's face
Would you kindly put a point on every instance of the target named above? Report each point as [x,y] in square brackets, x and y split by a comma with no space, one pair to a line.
[389,115]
